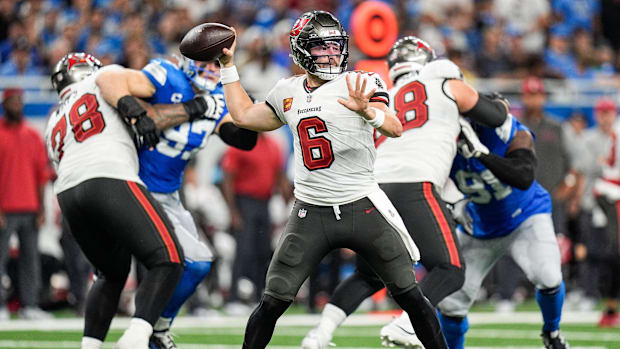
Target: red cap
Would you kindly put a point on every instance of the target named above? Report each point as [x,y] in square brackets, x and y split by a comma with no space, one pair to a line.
[10,92]
[605,104]
[532,85]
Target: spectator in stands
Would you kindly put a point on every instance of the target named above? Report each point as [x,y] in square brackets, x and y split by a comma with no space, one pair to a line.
[250,179]
[558,56]
[492,60]
[553,161]
[261,73]
[607,191]
[24,172]
[20,62]
[578,14]
[529,18]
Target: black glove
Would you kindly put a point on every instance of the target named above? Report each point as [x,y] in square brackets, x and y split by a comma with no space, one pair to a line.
[495,96]
[143,126]
[148,132]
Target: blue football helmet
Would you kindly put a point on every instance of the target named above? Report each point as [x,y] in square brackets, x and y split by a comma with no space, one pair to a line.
[196,74]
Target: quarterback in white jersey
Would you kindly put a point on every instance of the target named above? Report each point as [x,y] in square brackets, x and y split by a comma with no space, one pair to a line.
[427,97]
[109,211]
[336,145]
[331,114]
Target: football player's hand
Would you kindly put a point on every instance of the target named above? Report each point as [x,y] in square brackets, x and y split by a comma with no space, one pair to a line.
[461,216]
[358,101]
[469,144]
[147,131]
[226,60]
[498,96]
[213,105]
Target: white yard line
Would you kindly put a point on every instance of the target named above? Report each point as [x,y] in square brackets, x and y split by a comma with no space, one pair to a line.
[66,344]
[293,320]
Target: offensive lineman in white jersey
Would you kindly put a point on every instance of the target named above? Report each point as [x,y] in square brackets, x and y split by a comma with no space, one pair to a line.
[339,204]
[111,214]
[427,97]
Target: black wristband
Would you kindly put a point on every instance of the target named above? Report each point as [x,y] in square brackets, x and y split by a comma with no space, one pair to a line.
[195,108]
[129,107]
[487,112]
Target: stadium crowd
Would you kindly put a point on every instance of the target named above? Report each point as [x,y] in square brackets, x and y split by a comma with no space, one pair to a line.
[541,46]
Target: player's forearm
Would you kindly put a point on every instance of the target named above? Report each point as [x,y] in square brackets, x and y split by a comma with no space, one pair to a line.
[165,115]
[238,103]
[391,126]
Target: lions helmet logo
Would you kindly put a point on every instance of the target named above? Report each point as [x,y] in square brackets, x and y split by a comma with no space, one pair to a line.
[287,103]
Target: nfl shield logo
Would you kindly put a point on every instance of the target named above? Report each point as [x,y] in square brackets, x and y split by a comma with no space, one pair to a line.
[287,103]
[302,213]
[309,99]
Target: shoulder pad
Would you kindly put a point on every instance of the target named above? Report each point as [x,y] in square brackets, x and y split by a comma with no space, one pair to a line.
[441,69]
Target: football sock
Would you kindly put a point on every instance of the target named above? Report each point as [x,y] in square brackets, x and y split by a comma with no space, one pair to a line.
[162,324]
[454,329]
[351,292]
[91,343]
[193,274]
[425,321]
[262,322]
[156,289]
[331,318]
[550,302]
[101,305]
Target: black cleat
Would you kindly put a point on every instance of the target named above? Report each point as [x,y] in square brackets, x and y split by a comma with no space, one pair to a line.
[554,340]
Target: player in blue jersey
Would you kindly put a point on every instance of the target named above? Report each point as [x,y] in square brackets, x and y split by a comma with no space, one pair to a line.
[507,212]
[161,168]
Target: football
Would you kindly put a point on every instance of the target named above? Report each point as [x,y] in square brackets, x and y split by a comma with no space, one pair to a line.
[205,42]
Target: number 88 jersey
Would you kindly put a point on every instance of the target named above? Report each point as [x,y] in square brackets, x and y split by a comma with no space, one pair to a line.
[86,138]
[429,115]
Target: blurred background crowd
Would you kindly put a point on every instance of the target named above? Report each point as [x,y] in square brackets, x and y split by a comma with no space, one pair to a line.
[558,62]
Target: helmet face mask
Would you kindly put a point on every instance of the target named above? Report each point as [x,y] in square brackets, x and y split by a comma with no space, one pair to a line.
[72,68]
[201,77]
[321,33]
[408,55]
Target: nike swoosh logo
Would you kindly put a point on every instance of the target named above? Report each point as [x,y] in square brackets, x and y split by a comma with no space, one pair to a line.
[369,210]
[407,332]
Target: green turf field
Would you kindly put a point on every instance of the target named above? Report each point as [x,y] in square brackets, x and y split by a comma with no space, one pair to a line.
[194,333]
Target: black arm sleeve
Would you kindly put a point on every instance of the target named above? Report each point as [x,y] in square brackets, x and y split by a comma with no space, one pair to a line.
[516,169]
[238,137]
[487,112]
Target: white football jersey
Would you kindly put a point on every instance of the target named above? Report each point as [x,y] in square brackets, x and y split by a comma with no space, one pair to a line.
[429,114]
[334,150]
[86,138]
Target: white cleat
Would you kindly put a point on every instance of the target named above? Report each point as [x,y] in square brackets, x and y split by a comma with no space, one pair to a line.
[316,340]
[394,335]
[132,340]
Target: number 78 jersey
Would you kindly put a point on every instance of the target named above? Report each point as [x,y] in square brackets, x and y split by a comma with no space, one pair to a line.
[86,138]
[429,115]
[497,209]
